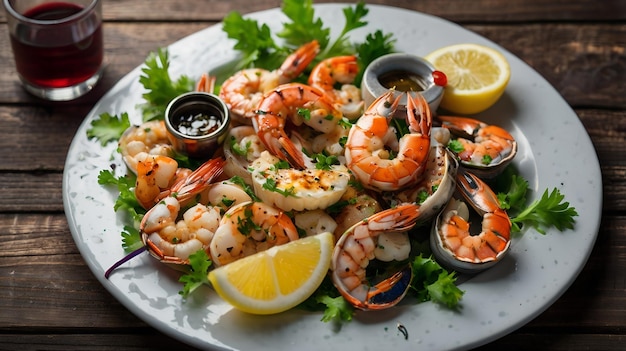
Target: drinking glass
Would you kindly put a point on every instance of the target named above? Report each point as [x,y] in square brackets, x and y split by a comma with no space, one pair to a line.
[57,45]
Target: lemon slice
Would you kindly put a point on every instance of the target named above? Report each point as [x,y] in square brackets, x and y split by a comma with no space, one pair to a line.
[477,76]
[277,279]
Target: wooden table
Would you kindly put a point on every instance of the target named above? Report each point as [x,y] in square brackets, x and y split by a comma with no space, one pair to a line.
[50,300]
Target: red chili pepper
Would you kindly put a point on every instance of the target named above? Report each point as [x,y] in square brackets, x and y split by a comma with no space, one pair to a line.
[440,78]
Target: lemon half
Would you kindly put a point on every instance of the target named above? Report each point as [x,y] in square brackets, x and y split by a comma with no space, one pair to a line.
[277,279]
[477,76]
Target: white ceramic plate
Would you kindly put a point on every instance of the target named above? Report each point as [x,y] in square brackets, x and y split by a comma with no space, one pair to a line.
[535,273]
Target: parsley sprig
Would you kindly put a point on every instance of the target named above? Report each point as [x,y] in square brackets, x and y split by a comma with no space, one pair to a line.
[431,282]
[161,88]
[259,49]
[199,265]
[126,200]
[550,210]
[108,127]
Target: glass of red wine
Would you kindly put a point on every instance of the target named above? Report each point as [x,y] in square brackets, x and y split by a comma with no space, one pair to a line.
[57,45]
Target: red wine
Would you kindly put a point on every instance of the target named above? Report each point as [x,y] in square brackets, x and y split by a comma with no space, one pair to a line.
[63,55]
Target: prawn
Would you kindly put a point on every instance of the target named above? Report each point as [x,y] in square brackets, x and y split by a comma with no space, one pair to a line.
[248,228]
[366,153]
[155,176]
[339,70]
[360,244]
[452,240]
[172,240]
[484,148]
[147,138]
[300,104]
[243,91]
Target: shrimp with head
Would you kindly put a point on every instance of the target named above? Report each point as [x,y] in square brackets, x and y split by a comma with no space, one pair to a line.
[243,91]
[298,104]
[367,152]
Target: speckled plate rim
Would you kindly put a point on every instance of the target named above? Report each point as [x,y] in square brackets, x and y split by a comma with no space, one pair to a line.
[537,271]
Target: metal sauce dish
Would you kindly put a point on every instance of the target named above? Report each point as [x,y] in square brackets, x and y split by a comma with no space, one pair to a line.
[197,124]
[403,73]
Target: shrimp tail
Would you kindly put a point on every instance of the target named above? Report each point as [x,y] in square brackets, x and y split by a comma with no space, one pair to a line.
[198,180]
[282,147]
[418,107]
[297,62]
[206,83]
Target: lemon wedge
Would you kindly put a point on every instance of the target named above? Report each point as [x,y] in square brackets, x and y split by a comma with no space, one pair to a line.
[477,76]
[277,279]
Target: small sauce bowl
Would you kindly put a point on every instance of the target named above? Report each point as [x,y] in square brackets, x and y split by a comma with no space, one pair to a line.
[197,123]
[401,72]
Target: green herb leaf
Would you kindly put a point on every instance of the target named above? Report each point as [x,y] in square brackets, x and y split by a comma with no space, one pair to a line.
[324,162]
[108,127]
[126,200]
[337,309]
[431,282]
[549,211]
[161,88]
[199,264]
[254,41]
[353,16]
[131,239]
[376,45]
[270,184]
[326,298]
[303,27]
[514,199]
[237,149]
[455,146]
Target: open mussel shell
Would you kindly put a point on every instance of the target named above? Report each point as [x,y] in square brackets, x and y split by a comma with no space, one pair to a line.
[492,170]
[448,259]
[433,205]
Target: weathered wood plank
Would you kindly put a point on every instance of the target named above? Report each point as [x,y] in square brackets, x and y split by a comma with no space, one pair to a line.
[586,63]
[467,11]
[152,340]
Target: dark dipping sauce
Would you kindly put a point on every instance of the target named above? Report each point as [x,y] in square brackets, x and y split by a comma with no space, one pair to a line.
[402,80]
[193,122]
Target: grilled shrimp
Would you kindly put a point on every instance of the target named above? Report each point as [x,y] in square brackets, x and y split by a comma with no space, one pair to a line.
[149,137]
[171,239]
[243,91]
[366,153]
[155,176]
[248,228]
[300,104]
[339,70]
